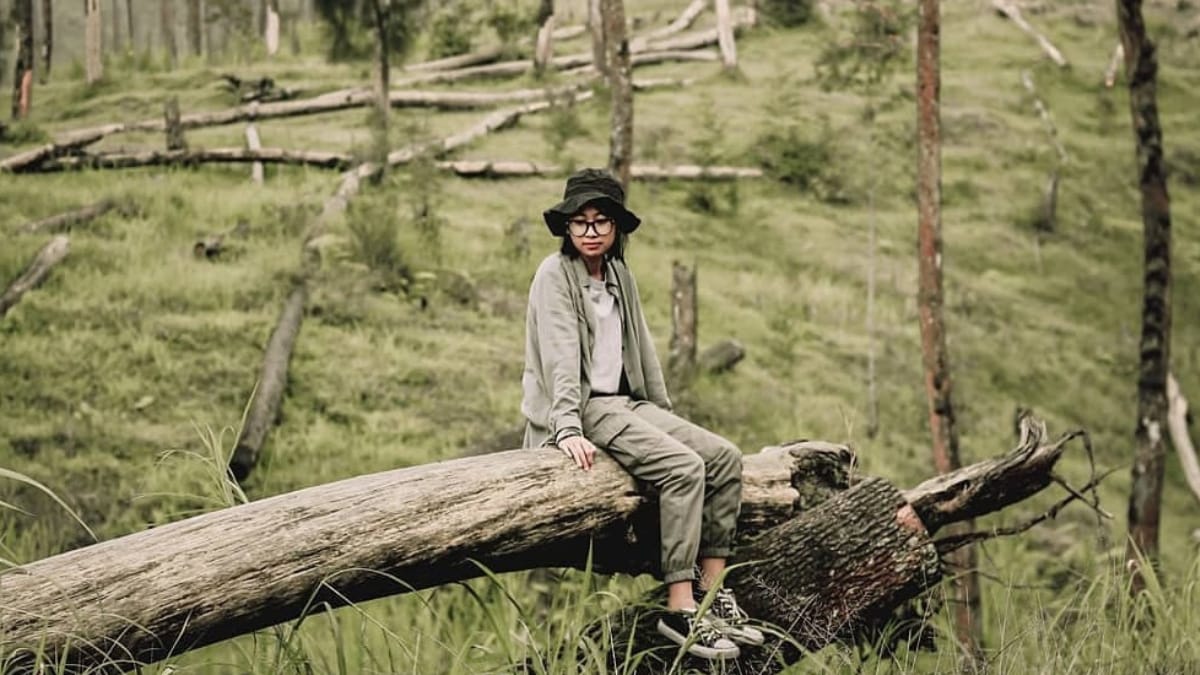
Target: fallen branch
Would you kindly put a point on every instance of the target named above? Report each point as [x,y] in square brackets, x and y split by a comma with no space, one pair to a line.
[1177,423]
[183,585]
[1010,10]
[481,168]
[254,144]
[1114,65]
[131,160]
[681,23]
[565,62]
[63,222]
[35,273]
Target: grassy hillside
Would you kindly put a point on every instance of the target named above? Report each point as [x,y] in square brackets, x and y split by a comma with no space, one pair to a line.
[111,373]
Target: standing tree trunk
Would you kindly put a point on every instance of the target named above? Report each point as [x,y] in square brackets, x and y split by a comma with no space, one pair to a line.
[929,299]
[544,45]
[172,125]
[380,145]
[681,360]
[620,148]
[725,35]
[1145,495]
[195,27]
[599,39]
[129,26]
[23,72]
[166,17]
[92,39]
[115,23]
[47,39]
[271,29]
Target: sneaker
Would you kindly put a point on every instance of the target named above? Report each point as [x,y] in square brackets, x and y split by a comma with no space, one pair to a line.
[707,642]
[731,619]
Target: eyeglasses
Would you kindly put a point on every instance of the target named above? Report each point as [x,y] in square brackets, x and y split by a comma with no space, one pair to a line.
[601,225]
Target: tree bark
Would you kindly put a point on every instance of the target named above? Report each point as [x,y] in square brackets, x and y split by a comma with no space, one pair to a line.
[195,27]
[272,380]
[681,360]
[22,98]
[620,80]
[47,39]
[166,18]
[172,126]
[935,357]
[1010,10]
[34,274]
[92,38]
[544,43]
[240,569]
[63,222]
[1145,496]
[725,35]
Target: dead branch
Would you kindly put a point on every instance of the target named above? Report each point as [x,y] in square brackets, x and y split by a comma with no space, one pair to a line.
[681,23]
[1177,423]
[35,272]
[63,222]
[1114,65]
[1010,10]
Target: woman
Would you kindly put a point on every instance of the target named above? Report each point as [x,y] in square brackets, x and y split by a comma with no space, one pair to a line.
[592,378]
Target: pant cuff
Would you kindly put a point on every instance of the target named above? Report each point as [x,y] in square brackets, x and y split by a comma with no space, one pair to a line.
[679,575]
[715,552]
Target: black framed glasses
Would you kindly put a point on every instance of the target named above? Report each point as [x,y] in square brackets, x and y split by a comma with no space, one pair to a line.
[601,225]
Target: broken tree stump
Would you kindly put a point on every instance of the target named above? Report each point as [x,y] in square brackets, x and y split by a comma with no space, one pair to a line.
[36,272]
[180,586]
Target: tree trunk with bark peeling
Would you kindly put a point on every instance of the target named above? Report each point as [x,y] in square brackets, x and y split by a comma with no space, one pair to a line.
[833,554]
[1145,496]
[930,299]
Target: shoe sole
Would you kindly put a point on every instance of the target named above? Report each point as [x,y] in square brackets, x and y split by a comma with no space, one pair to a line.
[695,649]
[742,639]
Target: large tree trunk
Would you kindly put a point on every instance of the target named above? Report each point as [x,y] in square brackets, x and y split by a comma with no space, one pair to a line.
[595,22]
[208,578]
[1145,494]
[22,98]
[543,46]
[681,359]
[47,39]
[166,19]
[620,78]
[92,39]
[195,27]
[33,275]
[381,78]
[935,356]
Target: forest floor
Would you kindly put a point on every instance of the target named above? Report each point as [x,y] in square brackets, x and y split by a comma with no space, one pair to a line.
[112,369]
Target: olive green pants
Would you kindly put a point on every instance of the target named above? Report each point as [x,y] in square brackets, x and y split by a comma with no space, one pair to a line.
[697,473]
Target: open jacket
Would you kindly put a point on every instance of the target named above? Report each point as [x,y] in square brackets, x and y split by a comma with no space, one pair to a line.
[560,328]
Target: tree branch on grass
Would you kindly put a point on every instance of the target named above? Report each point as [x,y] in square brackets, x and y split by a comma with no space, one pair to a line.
[1010,10]
[35,272]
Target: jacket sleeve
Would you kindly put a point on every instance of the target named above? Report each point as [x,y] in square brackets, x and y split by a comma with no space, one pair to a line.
[558,349]
[656,385]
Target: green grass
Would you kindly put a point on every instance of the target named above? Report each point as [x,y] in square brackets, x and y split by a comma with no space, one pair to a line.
[379,382]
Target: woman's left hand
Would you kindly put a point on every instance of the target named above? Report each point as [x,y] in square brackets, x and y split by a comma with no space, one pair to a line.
[581,450]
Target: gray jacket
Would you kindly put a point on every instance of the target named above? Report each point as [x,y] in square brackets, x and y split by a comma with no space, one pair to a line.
[560,326]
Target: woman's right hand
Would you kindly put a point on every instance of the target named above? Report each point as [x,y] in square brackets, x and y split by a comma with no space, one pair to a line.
[581,450]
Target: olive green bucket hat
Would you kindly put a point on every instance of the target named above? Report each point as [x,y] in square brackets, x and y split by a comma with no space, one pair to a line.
[597,188]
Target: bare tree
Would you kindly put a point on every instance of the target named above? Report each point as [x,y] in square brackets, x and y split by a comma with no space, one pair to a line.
[1145,494]
[47,39]
[930,299]
[166,17]
[92,40]
[23,72]
[620,147]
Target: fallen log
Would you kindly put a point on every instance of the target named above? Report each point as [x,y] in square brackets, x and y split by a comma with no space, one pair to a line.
[167,590]
[1010,10]
[475,58]
[721,357]
[742,17]
[681,23]
[1181,439]
[193,156]
[63,222]
[483,168]
[35,273]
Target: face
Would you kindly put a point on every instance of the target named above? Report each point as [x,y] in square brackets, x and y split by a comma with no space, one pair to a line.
[590,244]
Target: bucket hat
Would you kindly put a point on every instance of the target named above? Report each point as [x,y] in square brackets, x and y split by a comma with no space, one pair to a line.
[598,188]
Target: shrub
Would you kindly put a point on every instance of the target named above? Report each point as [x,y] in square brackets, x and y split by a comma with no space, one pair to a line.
[787,13]
[449,33]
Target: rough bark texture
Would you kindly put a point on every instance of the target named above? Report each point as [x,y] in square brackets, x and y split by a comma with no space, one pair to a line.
[240,569]
[22,97]
[935,357]
[620,76]
[272,380]
[63,222]
[47,39]
[172,125]
[721,357]
[166,20]
[92,38]
[34,274]
[1141,68]
[1011,11]
[725,35]
[1181,439]
[681,359]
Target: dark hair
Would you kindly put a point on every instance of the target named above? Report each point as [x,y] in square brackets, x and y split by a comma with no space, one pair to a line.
[617,250]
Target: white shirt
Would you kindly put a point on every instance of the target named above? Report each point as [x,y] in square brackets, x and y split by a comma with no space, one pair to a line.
[606,350]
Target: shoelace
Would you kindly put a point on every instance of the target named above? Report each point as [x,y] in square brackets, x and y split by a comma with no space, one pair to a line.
[729,607]
[705,631]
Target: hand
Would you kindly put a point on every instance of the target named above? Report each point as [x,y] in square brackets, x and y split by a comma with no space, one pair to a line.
[581,450]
